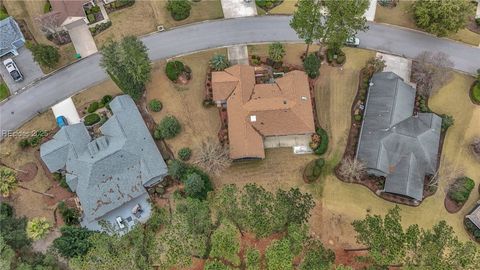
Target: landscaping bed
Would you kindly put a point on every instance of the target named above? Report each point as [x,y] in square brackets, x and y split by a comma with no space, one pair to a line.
[268,5]
[117,5]
[458,193]
[372,182]
[475,93]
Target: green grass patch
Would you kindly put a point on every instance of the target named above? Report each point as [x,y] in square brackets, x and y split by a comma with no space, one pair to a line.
[476,93]
[4,92]
[317,187]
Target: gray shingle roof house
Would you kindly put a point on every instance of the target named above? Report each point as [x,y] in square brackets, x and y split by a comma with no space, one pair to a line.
[11,37]
[474,216]
[109,173]
[393,142]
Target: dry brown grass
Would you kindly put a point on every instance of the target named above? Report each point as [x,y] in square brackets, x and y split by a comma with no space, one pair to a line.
[203,10]
[287,7]
[29,203]
[25,202]
[185,102]
[144,17]
[136,20]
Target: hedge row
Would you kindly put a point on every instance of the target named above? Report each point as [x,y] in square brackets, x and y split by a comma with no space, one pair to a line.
[323,146]
[314,169]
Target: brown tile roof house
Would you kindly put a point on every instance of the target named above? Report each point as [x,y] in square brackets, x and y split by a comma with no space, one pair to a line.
[256,111]
[68,10]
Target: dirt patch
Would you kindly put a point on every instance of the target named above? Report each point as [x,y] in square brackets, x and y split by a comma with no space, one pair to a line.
[27,172]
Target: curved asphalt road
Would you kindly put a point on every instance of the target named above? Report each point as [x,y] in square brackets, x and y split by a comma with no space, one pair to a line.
[211,34]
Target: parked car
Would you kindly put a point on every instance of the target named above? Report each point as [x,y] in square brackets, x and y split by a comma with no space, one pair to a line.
[13,69]
[62,121]
[352,41]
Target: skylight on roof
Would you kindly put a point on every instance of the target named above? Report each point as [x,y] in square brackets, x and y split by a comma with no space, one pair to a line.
[253,118]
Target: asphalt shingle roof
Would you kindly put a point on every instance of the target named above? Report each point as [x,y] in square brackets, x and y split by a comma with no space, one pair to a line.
[395,143]
[11,37]
[112,169]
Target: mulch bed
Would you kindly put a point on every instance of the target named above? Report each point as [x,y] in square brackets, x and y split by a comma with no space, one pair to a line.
[472,25]
[451,206]
[372,182]
[27,172]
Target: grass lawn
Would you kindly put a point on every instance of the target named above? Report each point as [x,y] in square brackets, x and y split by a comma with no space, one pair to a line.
[25,202]
[144,17]
[4,92]
[287,7]
[402,15]
[185,102]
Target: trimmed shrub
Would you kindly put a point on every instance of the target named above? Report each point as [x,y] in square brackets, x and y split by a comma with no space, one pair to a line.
[179,9]
[276,51]
[268,4]
[357,117]
[314,169]
[447,121]
[168,128]
[476,93]
[155,105]
[312,65]
[69,215]
[47,7]
[219,62]
[93,107]
[461,189]
[323,145]
[174,69]
[106,99]
[185,153]
[91,119]
[24,143]
[177,168]
[341,59]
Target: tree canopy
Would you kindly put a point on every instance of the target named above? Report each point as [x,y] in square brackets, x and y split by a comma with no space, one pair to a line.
[344,19]
[306,21]
[225,243]
[73,242]
[441,18]
[437,248]
[128,64]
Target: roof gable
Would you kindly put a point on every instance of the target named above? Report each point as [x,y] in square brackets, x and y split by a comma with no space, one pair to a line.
[112,169]
[257,110]
[391,138]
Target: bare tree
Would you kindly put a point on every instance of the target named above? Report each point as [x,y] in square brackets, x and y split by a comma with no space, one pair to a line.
[352,169]
[213,157]
[430,71]
[50,24]
[475,146]
[446,173]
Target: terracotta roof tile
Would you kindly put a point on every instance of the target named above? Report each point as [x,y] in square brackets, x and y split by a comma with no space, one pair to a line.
[259,110]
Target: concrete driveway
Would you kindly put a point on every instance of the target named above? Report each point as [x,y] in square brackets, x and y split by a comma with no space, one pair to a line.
[30,69]
[82,38]
[238,8]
